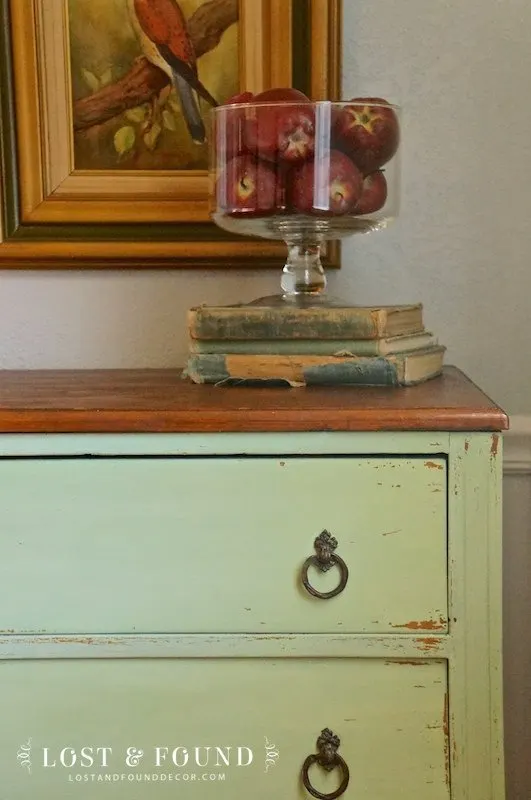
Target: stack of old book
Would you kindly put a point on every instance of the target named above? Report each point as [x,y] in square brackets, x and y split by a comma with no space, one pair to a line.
[275,342]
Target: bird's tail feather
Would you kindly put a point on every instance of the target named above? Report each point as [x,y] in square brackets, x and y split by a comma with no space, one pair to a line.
[190,109]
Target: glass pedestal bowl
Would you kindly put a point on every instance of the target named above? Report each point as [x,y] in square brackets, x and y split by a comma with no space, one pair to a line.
[305,173]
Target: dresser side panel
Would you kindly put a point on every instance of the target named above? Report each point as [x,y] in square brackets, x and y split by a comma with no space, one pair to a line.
[475,677]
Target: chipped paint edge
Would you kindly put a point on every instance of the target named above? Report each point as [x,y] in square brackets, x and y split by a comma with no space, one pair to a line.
[41,646]
[422,443]
[475,673]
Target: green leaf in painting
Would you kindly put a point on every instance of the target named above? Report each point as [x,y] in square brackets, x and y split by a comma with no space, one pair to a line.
[151,136]
[106,78]
[164,94]
[91,80]
[137,114]
[124,139]
[175,106]
[169,120]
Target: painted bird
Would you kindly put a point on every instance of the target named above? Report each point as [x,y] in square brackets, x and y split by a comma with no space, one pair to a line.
[160,26]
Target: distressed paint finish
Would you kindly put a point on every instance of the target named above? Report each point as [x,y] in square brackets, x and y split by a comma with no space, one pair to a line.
[417,704]
[219,444]
[150,546]
[389,717]
[475,665]
[252,646]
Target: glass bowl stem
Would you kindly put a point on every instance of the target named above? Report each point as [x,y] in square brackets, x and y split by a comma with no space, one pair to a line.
[303,274]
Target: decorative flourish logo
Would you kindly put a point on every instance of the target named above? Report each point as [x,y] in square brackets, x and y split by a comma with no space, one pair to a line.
[24,756]
[272,754]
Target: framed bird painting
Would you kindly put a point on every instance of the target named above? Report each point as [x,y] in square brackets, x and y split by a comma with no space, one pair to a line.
[104,108]
[104,111]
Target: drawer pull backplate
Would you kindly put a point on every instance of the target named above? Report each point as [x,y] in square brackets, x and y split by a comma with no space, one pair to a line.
[325,559]
[328,758]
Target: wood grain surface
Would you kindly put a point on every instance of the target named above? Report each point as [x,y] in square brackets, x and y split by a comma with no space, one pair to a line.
[154,400]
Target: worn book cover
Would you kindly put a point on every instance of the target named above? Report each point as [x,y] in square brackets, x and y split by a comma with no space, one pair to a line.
[404,369]
[261,320]
[324,347]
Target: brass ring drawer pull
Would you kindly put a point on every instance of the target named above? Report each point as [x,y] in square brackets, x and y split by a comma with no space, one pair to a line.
[328,759]
[325,559]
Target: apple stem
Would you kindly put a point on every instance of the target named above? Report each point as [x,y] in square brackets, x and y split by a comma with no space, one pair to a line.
[303,274]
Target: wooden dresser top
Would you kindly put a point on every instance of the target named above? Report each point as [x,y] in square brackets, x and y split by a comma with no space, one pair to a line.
[154,400]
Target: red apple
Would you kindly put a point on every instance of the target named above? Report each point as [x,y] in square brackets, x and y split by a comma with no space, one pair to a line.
[243,97]
[368,130]
[246,186]
[281,95]
[230,126]
[330,185]
[283,172]
[373,193]
[285,132]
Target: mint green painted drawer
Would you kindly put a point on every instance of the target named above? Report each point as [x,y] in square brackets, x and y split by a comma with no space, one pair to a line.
[217,544]
[389,716]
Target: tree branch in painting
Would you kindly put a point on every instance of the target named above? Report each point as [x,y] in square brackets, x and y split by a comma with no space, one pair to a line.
[207,25]
[144,80]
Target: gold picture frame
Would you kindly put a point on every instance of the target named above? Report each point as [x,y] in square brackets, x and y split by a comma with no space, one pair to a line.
[56,216]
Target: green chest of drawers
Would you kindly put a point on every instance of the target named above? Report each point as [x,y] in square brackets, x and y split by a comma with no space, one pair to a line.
[227,593]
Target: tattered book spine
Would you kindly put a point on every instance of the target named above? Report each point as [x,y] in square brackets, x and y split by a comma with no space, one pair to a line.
[225,369]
